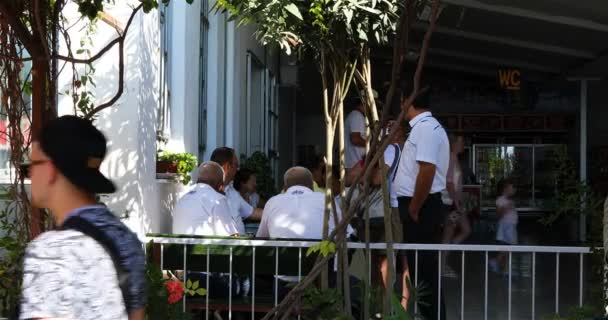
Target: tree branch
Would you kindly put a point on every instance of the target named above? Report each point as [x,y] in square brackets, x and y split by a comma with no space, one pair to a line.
[287,304]
[92,59]
[121,68]
[18,27]
[42,36]
[3,56]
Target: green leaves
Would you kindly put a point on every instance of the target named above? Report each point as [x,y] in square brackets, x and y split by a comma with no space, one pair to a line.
[186,163]
[192,289]
[324,247]
[148,5]
[293,9]
[91,8]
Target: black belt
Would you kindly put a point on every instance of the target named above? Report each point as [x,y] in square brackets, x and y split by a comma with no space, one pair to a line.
[431,196]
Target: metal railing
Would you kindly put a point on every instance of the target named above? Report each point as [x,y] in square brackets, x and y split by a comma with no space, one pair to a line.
[485,250]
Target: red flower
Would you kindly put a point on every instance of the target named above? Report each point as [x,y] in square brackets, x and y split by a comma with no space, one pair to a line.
[176,291]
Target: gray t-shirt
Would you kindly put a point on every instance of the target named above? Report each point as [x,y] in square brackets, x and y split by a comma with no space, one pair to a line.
[69,275]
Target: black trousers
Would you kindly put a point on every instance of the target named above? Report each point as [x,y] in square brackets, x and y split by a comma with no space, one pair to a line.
[426,231]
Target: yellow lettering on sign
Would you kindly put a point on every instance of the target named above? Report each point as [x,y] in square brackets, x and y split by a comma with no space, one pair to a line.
[503,76]
[509,79]
[515,78]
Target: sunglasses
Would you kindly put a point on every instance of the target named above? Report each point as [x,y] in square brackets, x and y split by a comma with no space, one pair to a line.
[26,168]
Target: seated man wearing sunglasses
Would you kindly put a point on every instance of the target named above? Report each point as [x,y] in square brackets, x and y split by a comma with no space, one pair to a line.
[93,266]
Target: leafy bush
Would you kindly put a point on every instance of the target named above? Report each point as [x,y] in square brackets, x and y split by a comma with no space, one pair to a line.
[186,163]
[260,165]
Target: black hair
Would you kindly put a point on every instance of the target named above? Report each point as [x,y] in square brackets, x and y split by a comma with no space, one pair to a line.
[423,99]
[222,155]
[314,162]
[241,177]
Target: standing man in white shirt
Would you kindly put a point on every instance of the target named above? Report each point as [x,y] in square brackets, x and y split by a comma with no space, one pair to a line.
[419,181]
[239,208]
[204,210]
[356,134]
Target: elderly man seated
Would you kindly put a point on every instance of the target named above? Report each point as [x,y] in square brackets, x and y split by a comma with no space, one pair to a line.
[298,212]
[295,214]
[204,210]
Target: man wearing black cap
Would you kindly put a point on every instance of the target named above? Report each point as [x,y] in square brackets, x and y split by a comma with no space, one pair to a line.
[92,266]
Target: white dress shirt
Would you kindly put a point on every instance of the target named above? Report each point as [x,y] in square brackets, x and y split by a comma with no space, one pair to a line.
[239,208]
[203,211]
[354,122]
[295,214]
[428,143]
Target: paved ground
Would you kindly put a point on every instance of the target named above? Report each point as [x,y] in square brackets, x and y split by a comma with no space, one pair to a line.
[531,233]
[521,297]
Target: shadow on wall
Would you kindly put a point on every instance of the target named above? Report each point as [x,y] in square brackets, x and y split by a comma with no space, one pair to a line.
[131,156]
[130,126]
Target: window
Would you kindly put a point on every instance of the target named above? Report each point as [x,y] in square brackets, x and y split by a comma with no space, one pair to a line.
[255,105]
[202,121]
[273,124]
[164,120]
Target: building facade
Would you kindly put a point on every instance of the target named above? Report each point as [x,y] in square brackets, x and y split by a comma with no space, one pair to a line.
[192,77]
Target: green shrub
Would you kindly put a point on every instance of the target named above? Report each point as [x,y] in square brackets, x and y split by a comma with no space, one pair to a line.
[186,163]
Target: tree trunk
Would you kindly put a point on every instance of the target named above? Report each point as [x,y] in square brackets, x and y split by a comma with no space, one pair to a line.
[343,249]
[39,99]
[328,158]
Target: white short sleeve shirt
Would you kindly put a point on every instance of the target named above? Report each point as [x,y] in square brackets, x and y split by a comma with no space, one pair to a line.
[296,214]
[239,208]
[354,122]
[427,142]
[204,212]
[389,157]
[69,275]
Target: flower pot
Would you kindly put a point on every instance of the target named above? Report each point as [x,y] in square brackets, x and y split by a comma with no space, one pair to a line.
[166,167]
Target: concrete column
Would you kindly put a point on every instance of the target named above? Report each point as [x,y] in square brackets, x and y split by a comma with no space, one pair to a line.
[583,152]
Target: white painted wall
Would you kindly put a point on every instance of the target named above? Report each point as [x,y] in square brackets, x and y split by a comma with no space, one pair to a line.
[130,125]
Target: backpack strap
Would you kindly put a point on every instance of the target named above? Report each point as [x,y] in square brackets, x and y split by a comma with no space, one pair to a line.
[82,225]
[395,164]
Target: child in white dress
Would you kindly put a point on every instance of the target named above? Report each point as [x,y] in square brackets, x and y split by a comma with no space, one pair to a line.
[506,233]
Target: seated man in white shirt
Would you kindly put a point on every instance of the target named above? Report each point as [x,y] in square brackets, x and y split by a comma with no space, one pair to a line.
[297,213]
[239,208]
[204,210]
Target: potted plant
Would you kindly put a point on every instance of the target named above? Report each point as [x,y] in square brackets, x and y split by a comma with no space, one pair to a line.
[180,164]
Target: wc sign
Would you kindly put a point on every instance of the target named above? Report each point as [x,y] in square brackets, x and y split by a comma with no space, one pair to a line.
[509,79]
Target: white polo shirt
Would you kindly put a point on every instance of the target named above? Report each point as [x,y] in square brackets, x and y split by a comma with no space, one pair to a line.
[295,214]
[428,143]
[239,208]
[203,211]
[354,122]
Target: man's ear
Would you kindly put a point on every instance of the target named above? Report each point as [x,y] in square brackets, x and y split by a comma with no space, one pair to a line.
[53,174]
[220,187]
